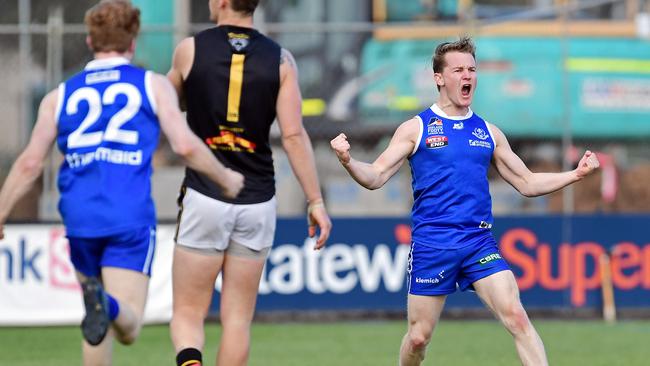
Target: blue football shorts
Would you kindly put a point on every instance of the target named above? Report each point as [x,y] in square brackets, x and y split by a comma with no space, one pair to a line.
[132,250]
[435,271]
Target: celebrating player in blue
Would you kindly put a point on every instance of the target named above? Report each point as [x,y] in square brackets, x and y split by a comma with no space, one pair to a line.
[106,121]
[450,149]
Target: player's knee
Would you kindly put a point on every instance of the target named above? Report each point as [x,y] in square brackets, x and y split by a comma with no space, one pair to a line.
[129,336]
[127,339]
[418,340]
[516,320]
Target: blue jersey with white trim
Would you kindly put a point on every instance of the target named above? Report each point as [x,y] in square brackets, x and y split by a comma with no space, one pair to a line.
[108,131]
[451,198]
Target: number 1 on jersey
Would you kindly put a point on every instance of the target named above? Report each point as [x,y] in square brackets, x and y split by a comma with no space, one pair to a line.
[234,87]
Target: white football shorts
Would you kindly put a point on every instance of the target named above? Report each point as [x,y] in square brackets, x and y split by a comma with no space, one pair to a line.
[208,224]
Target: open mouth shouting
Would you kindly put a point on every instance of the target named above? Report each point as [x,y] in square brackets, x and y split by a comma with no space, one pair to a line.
[466,90]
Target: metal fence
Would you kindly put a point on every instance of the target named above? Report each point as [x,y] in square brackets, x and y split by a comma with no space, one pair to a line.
[364,77]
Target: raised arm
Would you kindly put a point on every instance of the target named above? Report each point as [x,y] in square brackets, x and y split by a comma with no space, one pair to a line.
[298,147]
[181,66]
[375,175]
[29,165]
[187,145]
[530,184]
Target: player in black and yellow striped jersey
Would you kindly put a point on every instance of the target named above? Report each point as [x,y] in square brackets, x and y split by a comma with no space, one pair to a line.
[234,82]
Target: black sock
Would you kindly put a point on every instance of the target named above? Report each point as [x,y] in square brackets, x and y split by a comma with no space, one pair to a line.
[189,357]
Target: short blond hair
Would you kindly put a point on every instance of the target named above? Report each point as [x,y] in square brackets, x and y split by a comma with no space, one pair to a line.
[463,45]
[112,25]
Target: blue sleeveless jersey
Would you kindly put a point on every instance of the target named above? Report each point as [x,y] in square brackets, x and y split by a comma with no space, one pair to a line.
[452,207]
[107,132]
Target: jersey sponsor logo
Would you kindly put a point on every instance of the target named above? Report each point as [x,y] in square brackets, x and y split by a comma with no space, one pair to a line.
[480,133]
[238,41]
[489,258]
[230,140]
[120,157]
[480,143]
[458,126]
[436,142]
[435,121]
[435,127]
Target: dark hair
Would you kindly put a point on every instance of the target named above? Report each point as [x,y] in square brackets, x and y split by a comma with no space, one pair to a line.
[244,6]
[112,25]
[463,45]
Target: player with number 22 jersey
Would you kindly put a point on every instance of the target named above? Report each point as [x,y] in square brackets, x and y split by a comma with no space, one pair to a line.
[107,131]
[106,121]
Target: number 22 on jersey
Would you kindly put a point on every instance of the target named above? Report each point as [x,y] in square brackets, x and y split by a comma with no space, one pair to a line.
[113,132]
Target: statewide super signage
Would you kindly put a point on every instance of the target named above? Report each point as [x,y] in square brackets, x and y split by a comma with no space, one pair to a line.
[554,258]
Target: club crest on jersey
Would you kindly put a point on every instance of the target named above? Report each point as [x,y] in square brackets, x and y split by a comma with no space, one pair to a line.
[480,133]
[238,41]
[436,142]
[434,127]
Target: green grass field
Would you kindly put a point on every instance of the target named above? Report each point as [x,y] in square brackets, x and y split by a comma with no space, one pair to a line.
[455,343]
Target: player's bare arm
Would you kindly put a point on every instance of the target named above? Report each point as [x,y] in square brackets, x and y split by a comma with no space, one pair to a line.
[297,145]
[514,171]
[29,165]
[375,175]
[181,66]
[294,137]
[187,145]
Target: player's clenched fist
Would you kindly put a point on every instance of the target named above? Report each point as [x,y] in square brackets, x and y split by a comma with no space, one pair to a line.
[234,183]
[587,164]
[341,147]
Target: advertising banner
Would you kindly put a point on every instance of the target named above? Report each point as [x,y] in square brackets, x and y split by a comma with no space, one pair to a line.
[38,284]
[364,267]
[555,260]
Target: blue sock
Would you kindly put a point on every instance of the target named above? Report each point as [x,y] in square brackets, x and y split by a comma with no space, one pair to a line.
[113,308]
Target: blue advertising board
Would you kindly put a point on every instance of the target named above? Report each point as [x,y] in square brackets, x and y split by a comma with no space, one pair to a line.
[363,267]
